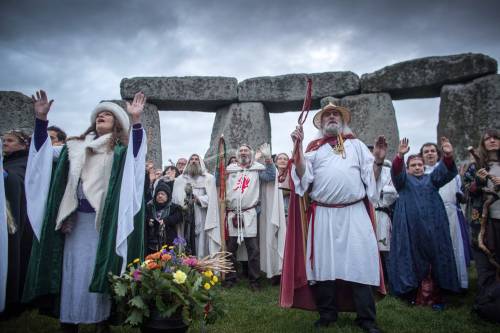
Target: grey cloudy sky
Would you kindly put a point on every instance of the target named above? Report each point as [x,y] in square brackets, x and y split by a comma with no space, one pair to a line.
[80,50]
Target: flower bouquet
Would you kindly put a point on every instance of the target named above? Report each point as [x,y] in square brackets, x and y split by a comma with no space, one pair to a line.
[168,284]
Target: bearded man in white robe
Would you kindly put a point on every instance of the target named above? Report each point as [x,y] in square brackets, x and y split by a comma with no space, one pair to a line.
[341,242]
[255,214]
[196,179]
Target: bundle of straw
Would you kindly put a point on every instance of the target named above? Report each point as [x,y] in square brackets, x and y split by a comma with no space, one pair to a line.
[219,262]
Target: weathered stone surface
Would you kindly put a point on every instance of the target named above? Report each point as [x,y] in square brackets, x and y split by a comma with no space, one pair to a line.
[466,110]
[151,123]
[16,112]
[424,77]
[286,92]
[371,115]
[240,123]
[188,93]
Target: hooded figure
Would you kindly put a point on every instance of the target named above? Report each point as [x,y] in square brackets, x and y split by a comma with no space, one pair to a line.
[86,214]
[162,218]
[195,178]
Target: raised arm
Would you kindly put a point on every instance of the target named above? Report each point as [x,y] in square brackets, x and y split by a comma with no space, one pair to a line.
[135,110]
[42,107]
[379,152]
[264,152]
[398,173]
[447,170]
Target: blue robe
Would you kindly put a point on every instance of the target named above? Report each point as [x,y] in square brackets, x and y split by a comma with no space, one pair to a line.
[420,233]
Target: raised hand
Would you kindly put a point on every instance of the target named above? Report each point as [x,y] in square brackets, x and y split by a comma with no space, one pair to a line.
[380,149]
[446,147]
[297,134]
[264,151]
[403,147]
[136,108]
[42,104]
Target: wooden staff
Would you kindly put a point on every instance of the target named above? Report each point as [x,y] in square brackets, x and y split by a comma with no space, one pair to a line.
[306,107]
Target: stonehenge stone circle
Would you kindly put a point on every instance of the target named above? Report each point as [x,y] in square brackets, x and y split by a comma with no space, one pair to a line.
[286,92]
[189,93]
[468,85]
[16,112]
[466,110]
[240,123]
[424,77]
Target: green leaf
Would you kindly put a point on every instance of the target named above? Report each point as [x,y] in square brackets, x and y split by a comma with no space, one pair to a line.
[138,302]
[135,318]
[197,283]
[120,289]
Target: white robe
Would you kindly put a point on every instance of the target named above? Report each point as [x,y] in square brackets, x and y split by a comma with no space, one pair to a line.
[78,305]
[4,238]
[448,194]
[345,246]
[206,215]
[388,195]
[271,224]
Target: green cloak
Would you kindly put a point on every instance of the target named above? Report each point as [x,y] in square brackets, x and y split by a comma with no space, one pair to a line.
[45,266]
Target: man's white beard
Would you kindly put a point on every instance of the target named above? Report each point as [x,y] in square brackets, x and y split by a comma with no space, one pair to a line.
[332,129]
[193,170]
[244,160]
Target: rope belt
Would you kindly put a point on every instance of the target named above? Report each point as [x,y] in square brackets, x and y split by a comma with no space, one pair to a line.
[311,216]
[234,220]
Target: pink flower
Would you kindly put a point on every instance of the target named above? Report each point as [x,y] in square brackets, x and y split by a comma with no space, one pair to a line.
[190,261]
[136,275]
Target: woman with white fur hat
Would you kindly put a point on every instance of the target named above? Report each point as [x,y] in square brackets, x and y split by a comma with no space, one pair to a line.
[91,221]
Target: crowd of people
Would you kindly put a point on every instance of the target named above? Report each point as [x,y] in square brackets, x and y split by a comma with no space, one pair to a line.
[338,221]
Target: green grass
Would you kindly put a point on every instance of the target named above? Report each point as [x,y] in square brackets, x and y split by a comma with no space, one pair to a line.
[259,312]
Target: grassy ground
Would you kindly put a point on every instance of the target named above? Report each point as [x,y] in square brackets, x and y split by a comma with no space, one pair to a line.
[258,312]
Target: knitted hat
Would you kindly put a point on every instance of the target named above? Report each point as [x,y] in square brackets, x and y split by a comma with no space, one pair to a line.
[120,114]
[163,187]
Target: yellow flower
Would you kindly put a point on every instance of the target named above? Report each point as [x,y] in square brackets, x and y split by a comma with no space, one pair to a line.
[164,247]
[129,265]
[208,274]
[180,277]
[171,247]
[136,261]
[212,282]
[215,279]
[207,286]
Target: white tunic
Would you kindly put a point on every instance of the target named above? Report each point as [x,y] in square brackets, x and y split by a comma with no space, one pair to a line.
[242,193]
[345,246]
[388,195]
[448,193]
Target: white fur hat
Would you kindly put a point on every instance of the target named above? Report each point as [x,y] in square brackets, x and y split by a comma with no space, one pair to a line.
[114,108]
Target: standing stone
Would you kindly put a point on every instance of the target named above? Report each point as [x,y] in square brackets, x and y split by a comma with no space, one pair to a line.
[286,92]
[424,77]
[240,123]
[371,115]
[16,112]
[188,93]
[151,124]
[466,110]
